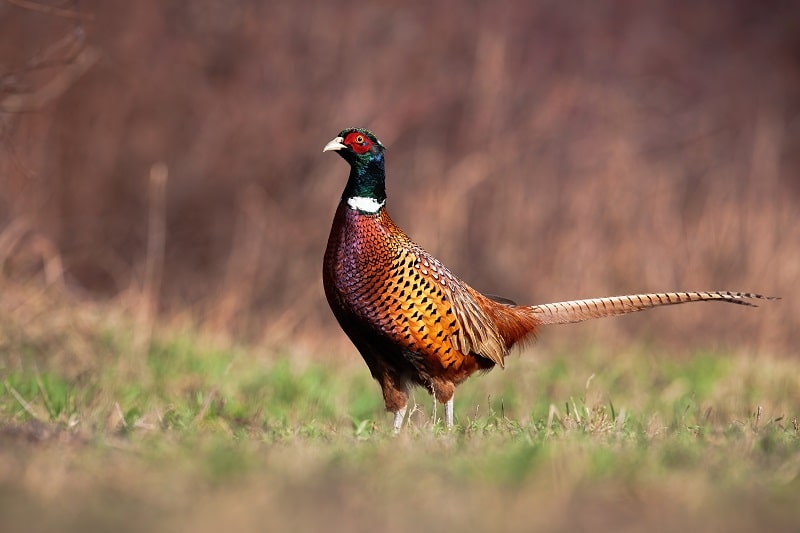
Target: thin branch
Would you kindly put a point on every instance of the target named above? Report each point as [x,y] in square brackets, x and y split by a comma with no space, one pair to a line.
[154,261]
[50,10]
[61,52]
[17,103]
[25,405]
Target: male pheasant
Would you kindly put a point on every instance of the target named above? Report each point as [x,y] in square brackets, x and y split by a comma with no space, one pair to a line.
[412,320]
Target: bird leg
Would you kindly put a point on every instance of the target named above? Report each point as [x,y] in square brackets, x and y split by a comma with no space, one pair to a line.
[399,416]
[443,391]
[395,396]
[448,413]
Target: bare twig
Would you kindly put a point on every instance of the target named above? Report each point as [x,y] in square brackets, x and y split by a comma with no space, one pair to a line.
[154,262]
[433,414]
[156,234]
[61,52]
[620,420]
[33,101]
[415,409]
[213,393]
[10,236]
[551,415]
[51,10]
[42,390]
[586,389]
[25,405]
[120,414]
[759,411]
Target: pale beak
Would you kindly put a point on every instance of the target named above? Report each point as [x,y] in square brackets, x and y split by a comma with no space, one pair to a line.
[335,144]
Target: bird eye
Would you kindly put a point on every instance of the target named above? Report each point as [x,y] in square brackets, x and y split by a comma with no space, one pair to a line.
[360,139]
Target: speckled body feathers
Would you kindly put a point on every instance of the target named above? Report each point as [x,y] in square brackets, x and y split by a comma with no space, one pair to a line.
[411,319]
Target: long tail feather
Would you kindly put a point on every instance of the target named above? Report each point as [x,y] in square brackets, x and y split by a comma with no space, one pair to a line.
[580,310]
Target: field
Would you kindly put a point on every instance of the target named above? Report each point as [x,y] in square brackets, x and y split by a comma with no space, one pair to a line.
[192,434]
[167,358]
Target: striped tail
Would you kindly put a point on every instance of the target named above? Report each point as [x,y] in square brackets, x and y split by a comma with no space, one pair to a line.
[580,310]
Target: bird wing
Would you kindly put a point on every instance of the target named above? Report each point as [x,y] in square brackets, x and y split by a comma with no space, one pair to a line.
[436,313]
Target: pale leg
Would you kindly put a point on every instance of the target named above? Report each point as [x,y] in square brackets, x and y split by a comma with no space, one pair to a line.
[399,416]
[448,413]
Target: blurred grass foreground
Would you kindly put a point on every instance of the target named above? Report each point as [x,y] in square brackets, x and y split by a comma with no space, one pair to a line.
[201,436]
[543,151]
[168,361]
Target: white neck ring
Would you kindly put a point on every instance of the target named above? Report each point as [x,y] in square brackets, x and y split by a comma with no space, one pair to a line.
[367,205]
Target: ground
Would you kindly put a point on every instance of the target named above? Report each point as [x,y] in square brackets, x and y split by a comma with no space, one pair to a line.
[199,435]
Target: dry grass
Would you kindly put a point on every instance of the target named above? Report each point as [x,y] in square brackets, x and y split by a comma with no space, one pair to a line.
[543,152]
[201,435]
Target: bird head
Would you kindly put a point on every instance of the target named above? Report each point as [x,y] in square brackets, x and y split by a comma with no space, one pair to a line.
[355,145]
[364,152]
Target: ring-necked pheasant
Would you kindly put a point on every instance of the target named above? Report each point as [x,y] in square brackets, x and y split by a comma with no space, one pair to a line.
[412,320]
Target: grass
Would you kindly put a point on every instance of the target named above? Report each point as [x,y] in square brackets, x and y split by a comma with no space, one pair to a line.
[201,437]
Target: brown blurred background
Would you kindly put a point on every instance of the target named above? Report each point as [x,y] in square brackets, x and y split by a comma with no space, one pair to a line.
[543,150]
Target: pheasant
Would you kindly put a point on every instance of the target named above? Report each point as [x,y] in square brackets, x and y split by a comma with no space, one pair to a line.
[413,321]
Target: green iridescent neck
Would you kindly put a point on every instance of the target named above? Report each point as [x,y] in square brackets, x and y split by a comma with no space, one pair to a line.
[367,178]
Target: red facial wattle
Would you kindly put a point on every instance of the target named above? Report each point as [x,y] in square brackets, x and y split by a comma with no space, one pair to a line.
[359,142]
